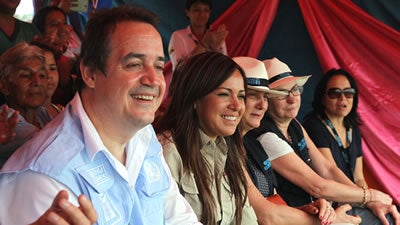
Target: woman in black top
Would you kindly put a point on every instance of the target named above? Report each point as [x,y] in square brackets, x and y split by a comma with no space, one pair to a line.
[333,125]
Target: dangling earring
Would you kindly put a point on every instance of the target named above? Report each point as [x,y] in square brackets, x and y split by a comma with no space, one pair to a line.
[194,106]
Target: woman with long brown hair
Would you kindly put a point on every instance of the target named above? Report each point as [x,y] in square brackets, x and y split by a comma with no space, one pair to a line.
[202,143]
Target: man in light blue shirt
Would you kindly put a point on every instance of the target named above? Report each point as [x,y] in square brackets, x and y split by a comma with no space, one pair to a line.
[103,145]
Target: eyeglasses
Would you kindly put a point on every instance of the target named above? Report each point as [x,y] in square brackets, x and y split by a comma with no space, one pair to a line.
[334,93]
[296,91]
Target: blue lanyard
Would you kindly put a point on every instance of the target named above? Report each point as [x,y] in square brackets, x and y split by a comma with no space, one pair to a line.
[345,154]
[348,134]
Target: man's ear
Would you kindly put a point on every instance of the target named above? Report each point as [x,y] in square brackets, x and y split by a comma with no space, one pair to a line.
[88,76]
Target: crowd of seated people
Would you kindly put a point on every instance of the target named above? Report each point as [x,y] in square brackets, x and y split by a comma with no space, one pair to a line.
[302,172]
[24,110]
[51,35]
[221,116]
[205,146]
[49,26]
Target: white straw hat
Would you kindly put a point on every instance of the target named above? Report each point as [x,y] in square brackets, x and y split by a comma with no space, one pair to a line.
[281,74]
[256,74]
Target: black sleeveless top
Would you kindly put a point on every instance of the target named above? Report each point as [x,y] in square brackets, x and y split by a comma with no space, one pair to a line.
[291,193]
[259,166]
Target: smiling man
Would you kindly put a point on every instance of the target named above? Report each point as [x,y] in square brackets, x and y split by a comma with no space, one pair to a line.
[102,145]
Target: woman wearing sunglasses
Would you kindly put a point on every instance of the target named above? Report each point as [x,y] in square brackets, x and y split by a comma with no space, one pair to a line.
[333,125]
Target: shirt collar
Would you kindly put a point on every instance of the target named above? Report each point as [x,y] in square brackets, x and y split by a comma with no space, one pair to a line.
[190,34]
[144,142]
[220,142]
[215,152]
[91,137]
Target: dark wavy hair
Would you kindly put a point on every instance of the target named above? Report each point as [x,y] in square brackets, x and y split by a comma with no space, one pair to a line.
[353,119]
[192,80]
[39,19]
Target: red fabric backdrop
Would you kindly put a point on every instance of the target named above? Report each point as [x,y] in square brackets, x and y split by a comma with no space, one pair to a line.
[347,37]
[249,23]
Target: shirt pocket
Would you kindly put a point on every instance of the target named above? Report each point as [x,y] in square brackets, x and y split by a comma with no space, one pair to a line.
[151,186]
[189,190]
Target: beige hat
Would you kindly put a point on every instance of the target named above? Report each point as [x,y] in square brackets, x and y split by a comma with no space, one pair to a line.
[281,74]
[257,76]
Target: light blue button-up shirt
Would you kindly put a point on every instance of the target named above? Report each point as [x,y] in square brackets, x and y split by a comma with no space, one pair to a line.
[69,154]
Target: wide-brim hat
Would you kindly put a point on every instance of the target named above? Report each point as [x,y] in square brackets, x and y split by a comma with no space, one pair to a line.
[280,74]
[256,74]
